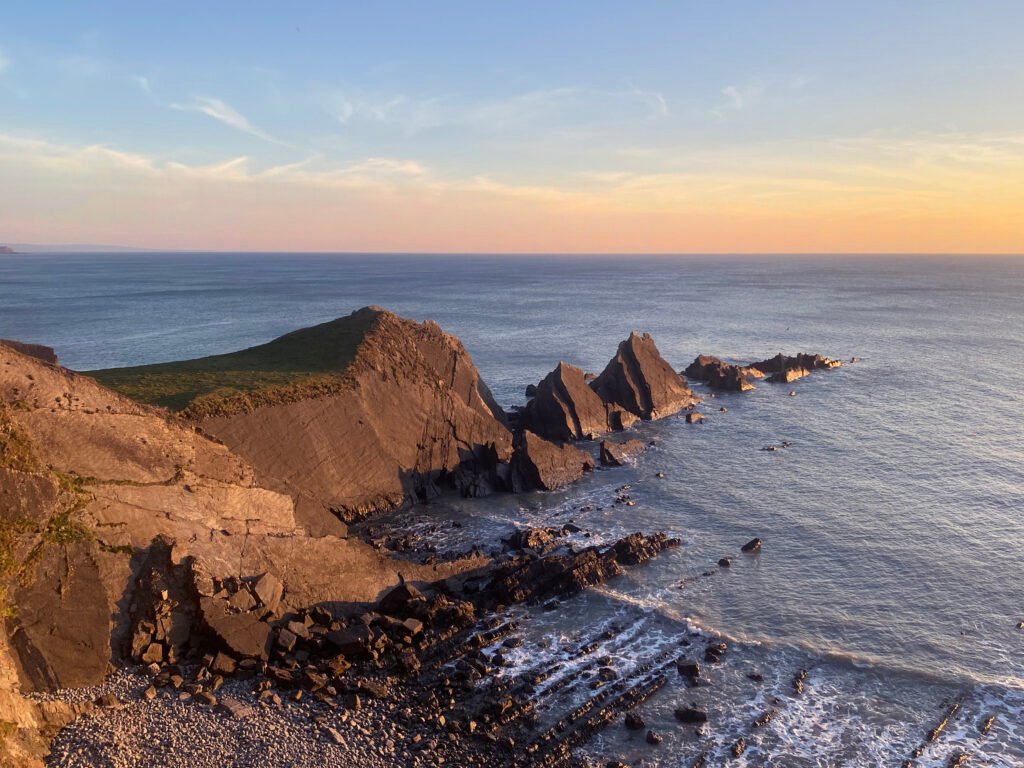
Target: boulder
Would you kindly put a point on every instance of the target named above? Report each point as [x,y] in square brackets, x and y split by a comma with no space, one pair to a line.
[537,463]
[754,545]
[691,715]
[694,417]
[634,722]
[240,634]
[616,454]
[268,590]
[564,407]
[639,381]
[398,600]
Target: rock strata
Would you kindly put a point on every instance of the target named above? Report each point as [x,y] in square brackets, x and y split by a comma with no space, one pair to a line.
[640,382]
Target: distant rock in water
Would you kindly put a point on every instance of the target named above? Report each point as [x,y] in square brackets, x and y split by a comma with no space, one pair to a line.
[782,369]
[718,374]
[639,381]
[38,351]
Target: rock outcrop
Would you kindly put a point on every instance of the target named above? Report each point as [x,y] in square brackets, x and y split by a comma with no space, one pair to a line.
[538,463]
[640,382]
[564,407]
[782,369]
[89,480]
[616,454]
[38,351]
[637,384]
[720,375]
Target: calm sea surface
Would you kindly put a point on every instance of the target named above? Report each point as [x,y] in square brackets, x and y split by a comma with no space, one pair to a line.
[893,562]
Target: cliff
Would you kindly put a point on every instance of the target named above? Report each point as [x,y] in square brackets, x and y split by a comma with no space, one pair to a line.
[89,479]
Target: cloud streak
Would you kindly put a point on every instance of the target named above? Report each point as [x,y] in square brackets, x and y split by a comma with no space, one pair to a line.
[224,113]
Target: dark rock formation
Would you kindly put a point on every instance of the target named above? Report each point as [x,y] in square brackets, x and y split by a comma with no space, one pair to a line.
[720,375]
[615,454]
[564,407]
[754,545]
[537,463]
[38,351]
[639,381]
[783,369]
[533,579]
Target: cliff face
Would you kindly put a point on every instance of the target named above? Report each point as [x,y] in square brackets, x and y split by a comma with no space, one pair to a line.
[88,480]
[413,417]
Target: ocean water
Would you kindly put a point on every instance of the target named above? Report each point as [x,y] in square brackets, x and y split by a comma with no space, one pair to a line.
[892,568]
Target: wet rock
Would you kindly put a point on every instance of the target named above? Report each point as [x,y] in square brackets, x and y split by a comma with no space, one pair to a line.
[720,375]
[754,545]
[725,562]
[616,454]
[531,390]
[691,715]
[538,539]
[639,381]
[543,465]
[694,417]
[654,738]
[530,578]
[634,722]
[783,369]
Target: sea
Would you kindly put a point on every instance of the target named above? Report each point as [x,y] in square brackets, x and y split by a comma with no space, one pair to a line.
[892,565]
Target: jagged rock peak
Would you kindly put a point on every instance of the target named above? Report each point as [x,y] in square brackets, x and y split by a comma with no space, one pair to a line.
[640,381]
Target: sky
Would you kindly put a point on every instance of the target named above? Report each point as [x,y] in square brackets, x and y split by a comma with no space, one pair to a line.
[641,127]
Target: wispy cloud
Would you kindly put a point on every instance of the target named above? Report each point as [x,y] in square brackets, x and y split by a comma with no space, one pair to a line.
[4,61]
[143,83]
[653,99]
[736,99]
[228,115]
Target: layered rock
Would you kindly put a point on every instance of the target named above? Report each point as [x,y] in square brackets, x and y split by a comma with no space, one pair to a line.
[637,384]
[413,417]
[564,407]
[38,351]
[639,381]
[88,481]
[720,375]
[783,369]
[538,463]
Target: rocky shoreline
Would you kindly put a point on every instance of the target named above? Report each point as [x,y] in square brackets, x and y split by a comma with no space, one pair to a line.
[205,559]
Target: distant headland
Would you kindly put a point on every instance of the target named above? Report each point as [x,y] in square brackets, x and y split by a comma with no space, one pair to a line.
[6,249]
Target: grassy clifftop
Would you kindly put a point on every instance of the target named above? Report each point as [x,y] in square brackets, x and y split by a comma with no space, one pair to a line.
[300,362]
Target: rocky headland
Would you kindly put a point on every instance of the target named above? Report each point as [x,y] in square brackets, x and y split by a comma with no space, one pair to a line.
[189,521]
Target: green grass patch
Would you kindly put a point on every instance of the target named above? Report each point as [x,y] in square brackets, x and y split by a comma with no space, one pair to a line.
[303,362]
